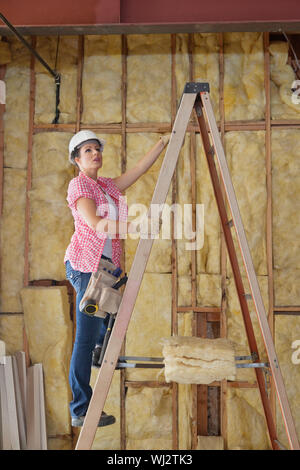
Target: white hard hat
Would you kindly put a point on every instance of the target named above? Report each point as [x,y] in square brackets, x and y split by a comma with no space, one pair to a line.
[81,137]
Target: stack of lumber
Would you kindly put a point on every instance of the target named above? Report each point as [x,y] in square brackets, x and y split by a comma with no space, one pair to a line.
[22,404]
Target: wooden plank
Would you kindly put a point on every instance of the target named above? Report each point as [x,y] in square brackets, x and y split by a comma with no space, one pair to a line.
[22,376]
[287,309]
[2,351]
[79,82]
[173,79]
[2,111]
[29,164]
[255,290]
[194,217]
[32,411]
[204,309]
[196,407]
[235,384]
[295,313]
[223,316]
[269,222]
[19,405]
[269,211]
[5,428]
[193,186]
[38,128]
[1,424]
[123,169]
[11,404]
[174,265]
[147,383]
[2,92]
[135,277]
[241,384]
[38,368]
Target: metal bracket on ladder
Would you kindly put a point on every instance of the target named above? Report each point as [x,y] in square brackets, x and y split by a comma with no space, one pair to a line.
[157,362]
[196,96]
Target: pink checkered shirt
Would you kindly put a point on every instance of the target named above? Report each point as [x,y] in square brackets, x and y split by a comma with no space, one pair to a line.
[86,246]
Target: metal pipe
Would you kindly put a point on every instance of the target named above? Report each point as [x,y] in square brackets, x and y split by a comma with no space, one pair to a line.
[55,74]
[33,51]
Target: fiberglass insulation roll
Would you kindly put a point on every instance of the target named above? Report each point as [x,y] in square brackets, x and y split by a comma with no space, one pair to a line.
[198,360]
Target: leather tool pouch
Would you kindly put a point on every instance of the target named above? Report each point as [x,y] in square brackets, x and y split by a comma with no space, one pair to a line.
[110,300]
[102,278]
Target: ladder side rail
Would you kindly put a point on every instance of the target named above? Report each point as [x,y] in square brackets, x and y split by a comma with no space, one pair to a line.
[135,277]
[237,275]
[255,290]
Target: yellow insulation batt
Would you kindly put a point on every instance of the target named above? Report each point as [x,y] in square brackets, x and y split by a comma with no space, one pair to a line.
[282,78]
[148,78]
[210,443]
[49,334]
[101,80]
[198,360]
[244,96]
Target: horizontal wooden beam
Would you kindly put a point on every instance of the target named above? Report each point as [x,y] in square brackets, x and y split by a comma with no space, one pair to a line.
[157,384]
[146,383]
[199,309]
[162,127]
[170,28]
[287,308]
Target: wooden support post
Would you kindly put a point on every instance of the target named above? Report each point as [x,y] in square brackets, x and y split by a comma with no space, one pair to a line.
[79,82]
[195,388]
[19,405]
[29,163]
[29,183]
[174,265]
[223,317]
[269,221]
[2,111]
[163,127]
[4,415]
[123,169]
[12,422]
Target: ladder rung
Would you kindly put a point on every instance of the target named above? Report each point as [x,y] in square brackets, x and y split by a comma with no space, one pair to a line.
[138,358]
[253,365]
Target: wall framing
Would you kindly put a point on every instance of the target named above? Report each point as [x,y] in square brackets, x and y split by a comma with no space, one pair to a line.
[201,315]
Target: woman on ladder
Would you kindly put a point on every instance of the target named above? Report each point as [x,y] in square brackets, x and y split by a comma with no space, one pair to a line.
[100,218]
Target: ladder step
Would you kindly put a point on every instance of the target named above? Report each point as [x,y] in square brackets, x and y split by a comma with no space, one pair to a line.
[139,358]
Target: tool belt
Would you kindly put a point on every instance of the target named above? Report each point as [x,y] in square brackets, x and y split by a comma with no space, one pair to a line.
[100,298]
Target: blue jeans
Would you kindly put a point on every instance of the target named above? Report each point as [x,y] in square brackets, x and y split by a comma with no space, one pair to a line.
[89,332]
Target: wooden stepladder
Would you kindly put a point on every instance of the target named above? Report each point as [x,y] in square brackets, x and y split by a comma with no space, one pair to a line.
[196,96]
